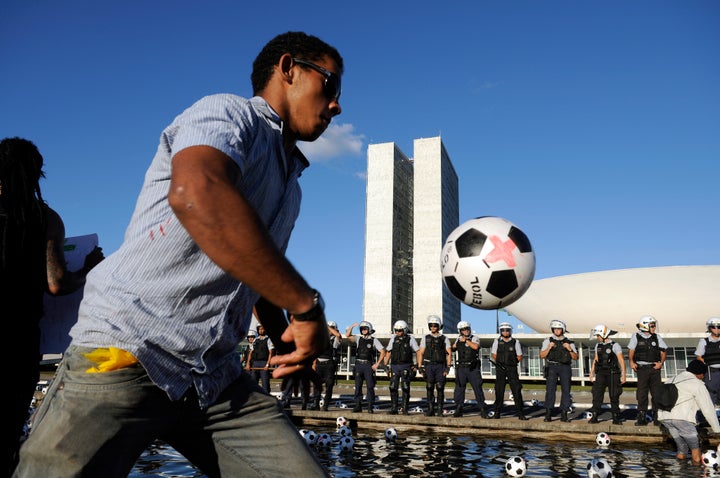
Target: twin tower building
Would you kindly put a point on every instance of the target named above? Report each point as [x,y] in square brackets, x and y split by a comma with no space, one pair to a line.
[411,207]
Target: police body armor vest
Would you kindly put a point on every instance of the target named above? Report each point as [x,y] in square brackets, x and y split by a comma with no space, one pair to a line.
[559,353]
[401,352]
[436,346]
[466,355]
[261,351]
[647,349]
[365,349]
[712,352]
[506,354]
[607,360]
[329,352]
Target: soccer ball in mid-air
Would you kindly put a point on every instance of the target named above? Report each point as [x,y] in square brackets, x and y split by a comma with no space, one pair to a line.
[515,466]
[711,460]
[391,434]
[599,468]
[487,263]
[602,439]
[347,443]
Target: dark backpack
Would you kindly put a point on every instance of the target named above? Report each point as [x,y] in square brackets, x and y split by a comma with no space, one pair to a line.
[665,396]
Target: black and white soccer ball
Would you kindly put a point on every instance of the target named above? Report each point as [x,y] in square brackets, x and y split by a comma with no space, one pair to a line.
[602,439]
[309,436]
[391,434]
[340,421]
[599,468]
[515,466]
[324,440]
[347,443]
[344,431]
[711,460]
[487,263]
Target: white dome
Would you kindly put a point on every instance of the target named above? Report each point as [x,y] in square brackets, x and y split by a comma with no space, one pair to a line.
[681,298]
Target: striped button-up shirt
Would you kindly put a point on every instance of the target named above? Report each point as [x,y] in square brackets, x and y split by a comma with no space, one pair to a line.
[159,296]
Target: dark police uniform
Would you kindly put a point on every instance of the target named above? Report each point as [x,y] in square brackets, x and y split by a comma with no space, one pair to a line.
[260,356]
[401,350]
[435,358]
[467,369]
[647,350]
[607,376]
[558,367]
[506,371]
[366,356]
[326,366]
[709,350]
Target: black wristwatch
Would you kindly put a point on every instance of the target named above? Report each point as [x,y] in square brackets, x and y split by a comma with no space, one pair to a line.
[316,312]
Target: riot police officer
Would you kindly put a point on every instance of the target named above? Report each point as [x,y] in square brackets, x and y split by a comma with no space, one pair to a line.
[558,352]
[399,354]
[436,353]
[368,357]
[708,350]
[467,369]
[260,355]
[326,366]
[606,372]
[507,354]
[646,353]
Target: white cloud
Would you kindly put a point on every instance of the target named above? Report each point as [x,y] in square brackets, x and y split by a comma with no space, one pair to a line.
[337,141]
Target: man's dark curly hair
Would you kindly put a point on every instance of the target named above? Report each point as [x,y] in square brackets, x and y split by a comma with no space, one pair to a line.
[297,44]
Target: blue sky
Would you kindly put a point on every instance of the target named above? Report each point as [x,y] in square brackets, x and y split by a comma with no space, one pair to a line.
[594,126]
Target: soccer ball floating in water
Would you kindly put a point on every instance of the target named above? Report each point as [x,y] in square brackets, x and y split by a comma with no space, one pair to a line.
[341,421]
[599,468]
[347,443]
[309,436]
[515,466]
[324,440]
[391,434]
[602,439]
[345,431]
[487,263]
[711,460]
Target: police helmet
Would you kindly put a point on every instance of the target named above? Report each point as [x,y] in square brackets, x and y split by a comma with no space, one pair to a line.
[505,326]
[602,331]
[463,325]
[558,324]
[401,325]
[367,324]
[434,319]
[713,321]
[645,322]
[251,333]
[332,324]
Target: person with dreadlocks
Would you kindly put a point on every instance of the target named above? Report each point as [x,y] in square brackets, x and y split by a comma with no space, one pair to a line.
[32,262]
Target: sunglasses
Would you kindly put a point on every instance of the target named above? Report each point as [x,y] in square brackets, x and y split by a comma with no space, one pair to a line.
[652,325]
[433,325]
[399,330]
[333,86]
[715,326]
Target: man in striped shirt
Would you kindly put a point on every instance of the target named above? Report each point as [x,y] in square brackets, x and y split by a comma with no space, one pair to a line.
[154,352]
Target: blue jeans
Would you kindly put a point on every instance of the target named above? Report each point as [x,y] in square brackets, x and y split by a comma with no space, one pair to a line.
[98,424]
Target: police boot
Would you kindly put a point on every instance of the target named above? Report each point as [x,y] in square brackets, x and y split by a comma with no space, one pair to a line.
[498,411]
[431,403]
[564,416]
[521,414]
[458,411]
[594,418]
[326,403]
[440,402]
[548,415]
[304,404]
[286,402]
[316,403]
[358,406]
[483,412]
[641,418]
[406,404]
[393,403]
[616,419]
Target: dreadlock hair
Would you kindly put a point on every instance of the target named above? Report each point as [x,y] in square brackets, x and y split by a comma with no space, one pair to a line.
[23,215]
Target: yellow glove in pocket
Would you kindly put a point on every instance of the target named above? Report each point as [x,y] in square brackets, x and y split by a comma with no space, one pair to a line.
[111,358]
